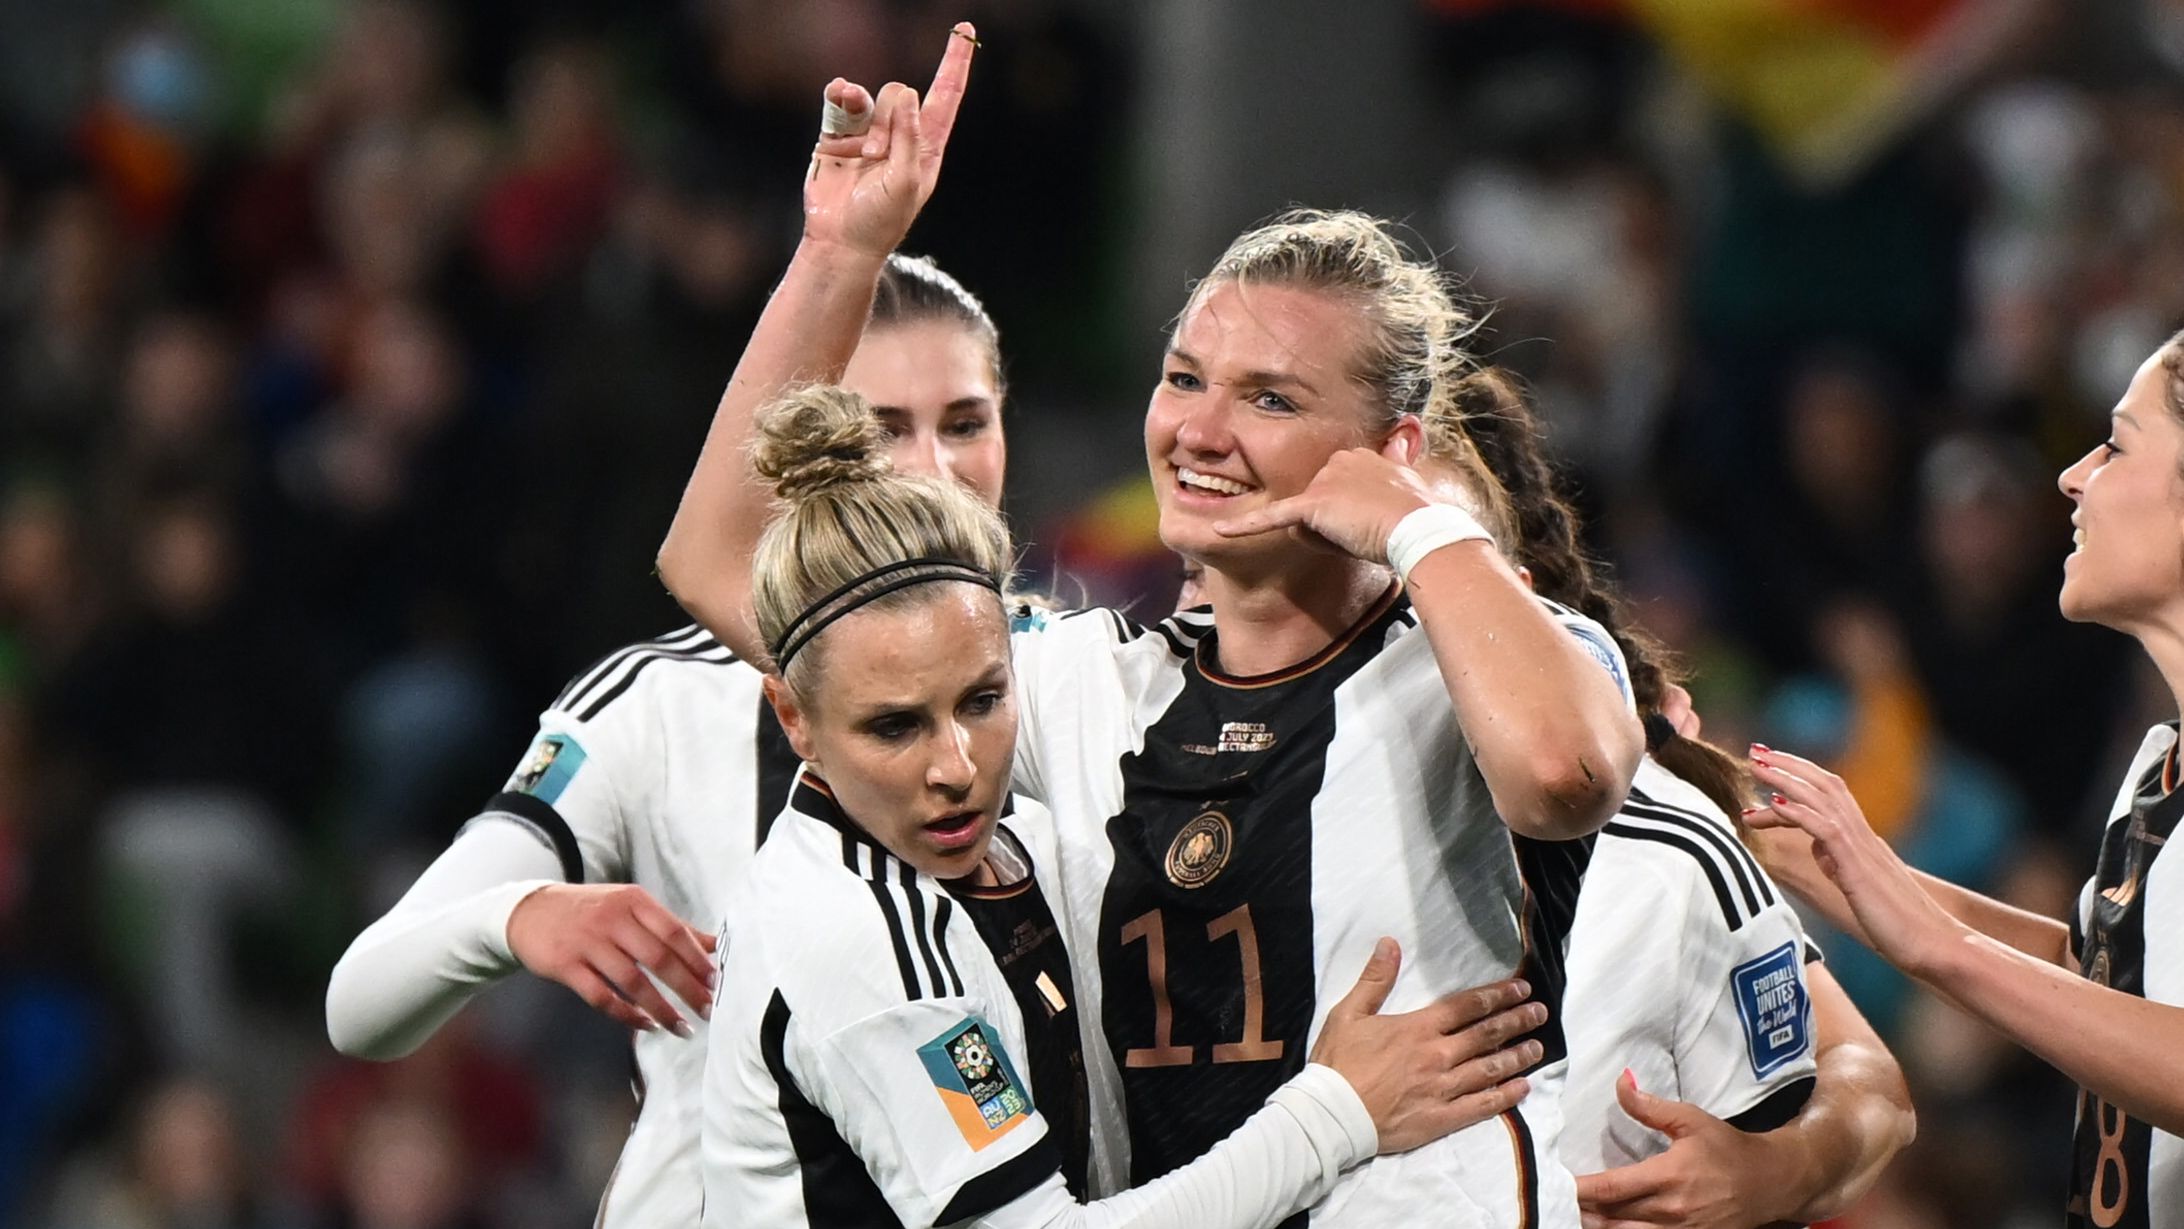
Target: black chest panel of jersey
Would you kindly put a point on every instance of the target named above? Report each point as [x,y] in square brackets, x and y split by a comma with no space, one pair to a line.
[1206,930]
[1553,874]
[1019,929]
[2109,1154]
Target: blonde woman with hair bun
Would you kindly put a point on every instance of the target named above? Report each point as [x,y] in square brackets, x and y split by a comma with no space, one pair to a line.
[897,1037]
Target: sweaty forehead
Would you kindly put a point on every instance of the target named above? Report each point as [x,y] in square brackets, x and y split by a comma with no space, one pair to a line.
[1270,327]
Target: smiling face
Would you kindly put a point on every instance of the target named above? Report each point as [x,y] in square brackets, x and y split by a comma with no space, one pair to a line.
[912,723]
[2128,566]
[934,386]
[1256,392]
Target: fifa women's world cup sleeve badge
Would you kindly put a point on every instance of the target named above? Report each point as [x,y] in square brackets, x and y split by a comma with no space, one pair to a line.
[984,1095]
[553,761]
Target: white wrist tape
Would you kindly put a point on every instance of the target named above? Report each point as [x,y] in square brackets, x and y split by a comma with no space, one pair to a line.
[1429,529]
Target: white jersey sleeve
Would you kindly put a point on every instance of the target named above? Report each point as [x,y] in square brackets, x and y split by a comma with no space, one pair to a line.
[588,777]
[1598,643]
[443,942]
[929,1093]
[1686,966]
[561,816]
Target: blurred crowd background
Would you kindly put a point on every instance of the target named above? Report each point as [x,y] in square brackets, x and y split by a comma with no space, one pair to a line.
[354,352]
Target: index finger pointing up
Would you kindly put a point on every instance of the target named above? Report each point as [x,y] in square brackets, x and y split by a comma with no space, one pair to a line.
[946,92]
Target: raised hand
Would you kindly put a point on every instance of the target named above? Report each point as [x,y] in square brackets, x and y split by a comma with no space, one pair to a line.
[1424,1074]
[601,939]
[1902,922]
[1351,505]
[1713,1175]
[868,182]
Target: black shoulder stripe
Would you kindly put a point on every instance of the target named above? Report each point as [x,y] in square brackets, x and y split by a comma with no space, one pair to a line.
[1749,876]
[694,639]
[542,816]
[699,652]
[1004,1183]
[940,936]
[592,673]
[599,671]
[910,986]
[1742,872]
[916,900]
[876,879]
[1750,883]
[1176,644]
[1720,883]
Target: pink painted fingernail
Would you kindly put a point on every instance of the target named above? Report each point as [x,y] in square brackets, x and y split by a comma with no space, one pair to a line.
[1779,799]
[1748,811]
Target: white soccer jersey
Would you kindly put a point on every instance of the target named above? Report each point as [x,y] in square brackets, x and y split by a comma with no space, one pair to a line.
[872,1064]
[655,766]
[2128,933]
[1242,843]
[1686,966]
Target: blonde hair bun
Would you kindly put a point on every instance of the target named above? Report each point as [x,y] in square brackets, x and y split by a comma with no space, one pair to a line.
[819,439]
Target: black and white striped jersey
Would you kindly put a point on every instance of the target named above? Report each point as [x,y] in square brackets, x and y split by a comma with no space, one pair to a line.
[1687,966]
[1241,843]
[660,765]
[2128,934]
[891,1050]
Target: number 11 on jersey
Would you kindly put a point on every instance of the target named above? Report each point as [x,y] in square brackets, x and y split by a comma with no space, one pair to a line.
[1253,1046]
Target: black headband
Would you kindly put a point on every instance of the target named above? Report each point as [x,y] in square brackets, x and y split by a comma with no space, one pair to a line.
[844,600]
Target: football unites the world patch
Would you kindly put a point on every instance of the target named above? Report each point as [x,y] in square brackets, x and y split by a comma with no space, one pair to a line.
[1776,1011]
[1603,651]
[553,763]
[984,1095]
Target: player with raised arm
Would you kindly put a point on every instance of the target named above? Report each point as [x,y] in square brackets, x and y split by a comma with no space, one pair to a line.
[898,1034]
[2101,996]
[652,778]
[1242,810]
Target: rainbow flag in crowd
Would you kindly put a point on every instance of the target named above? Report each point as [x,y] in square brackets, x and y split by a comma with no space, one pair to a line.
[1828,83]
